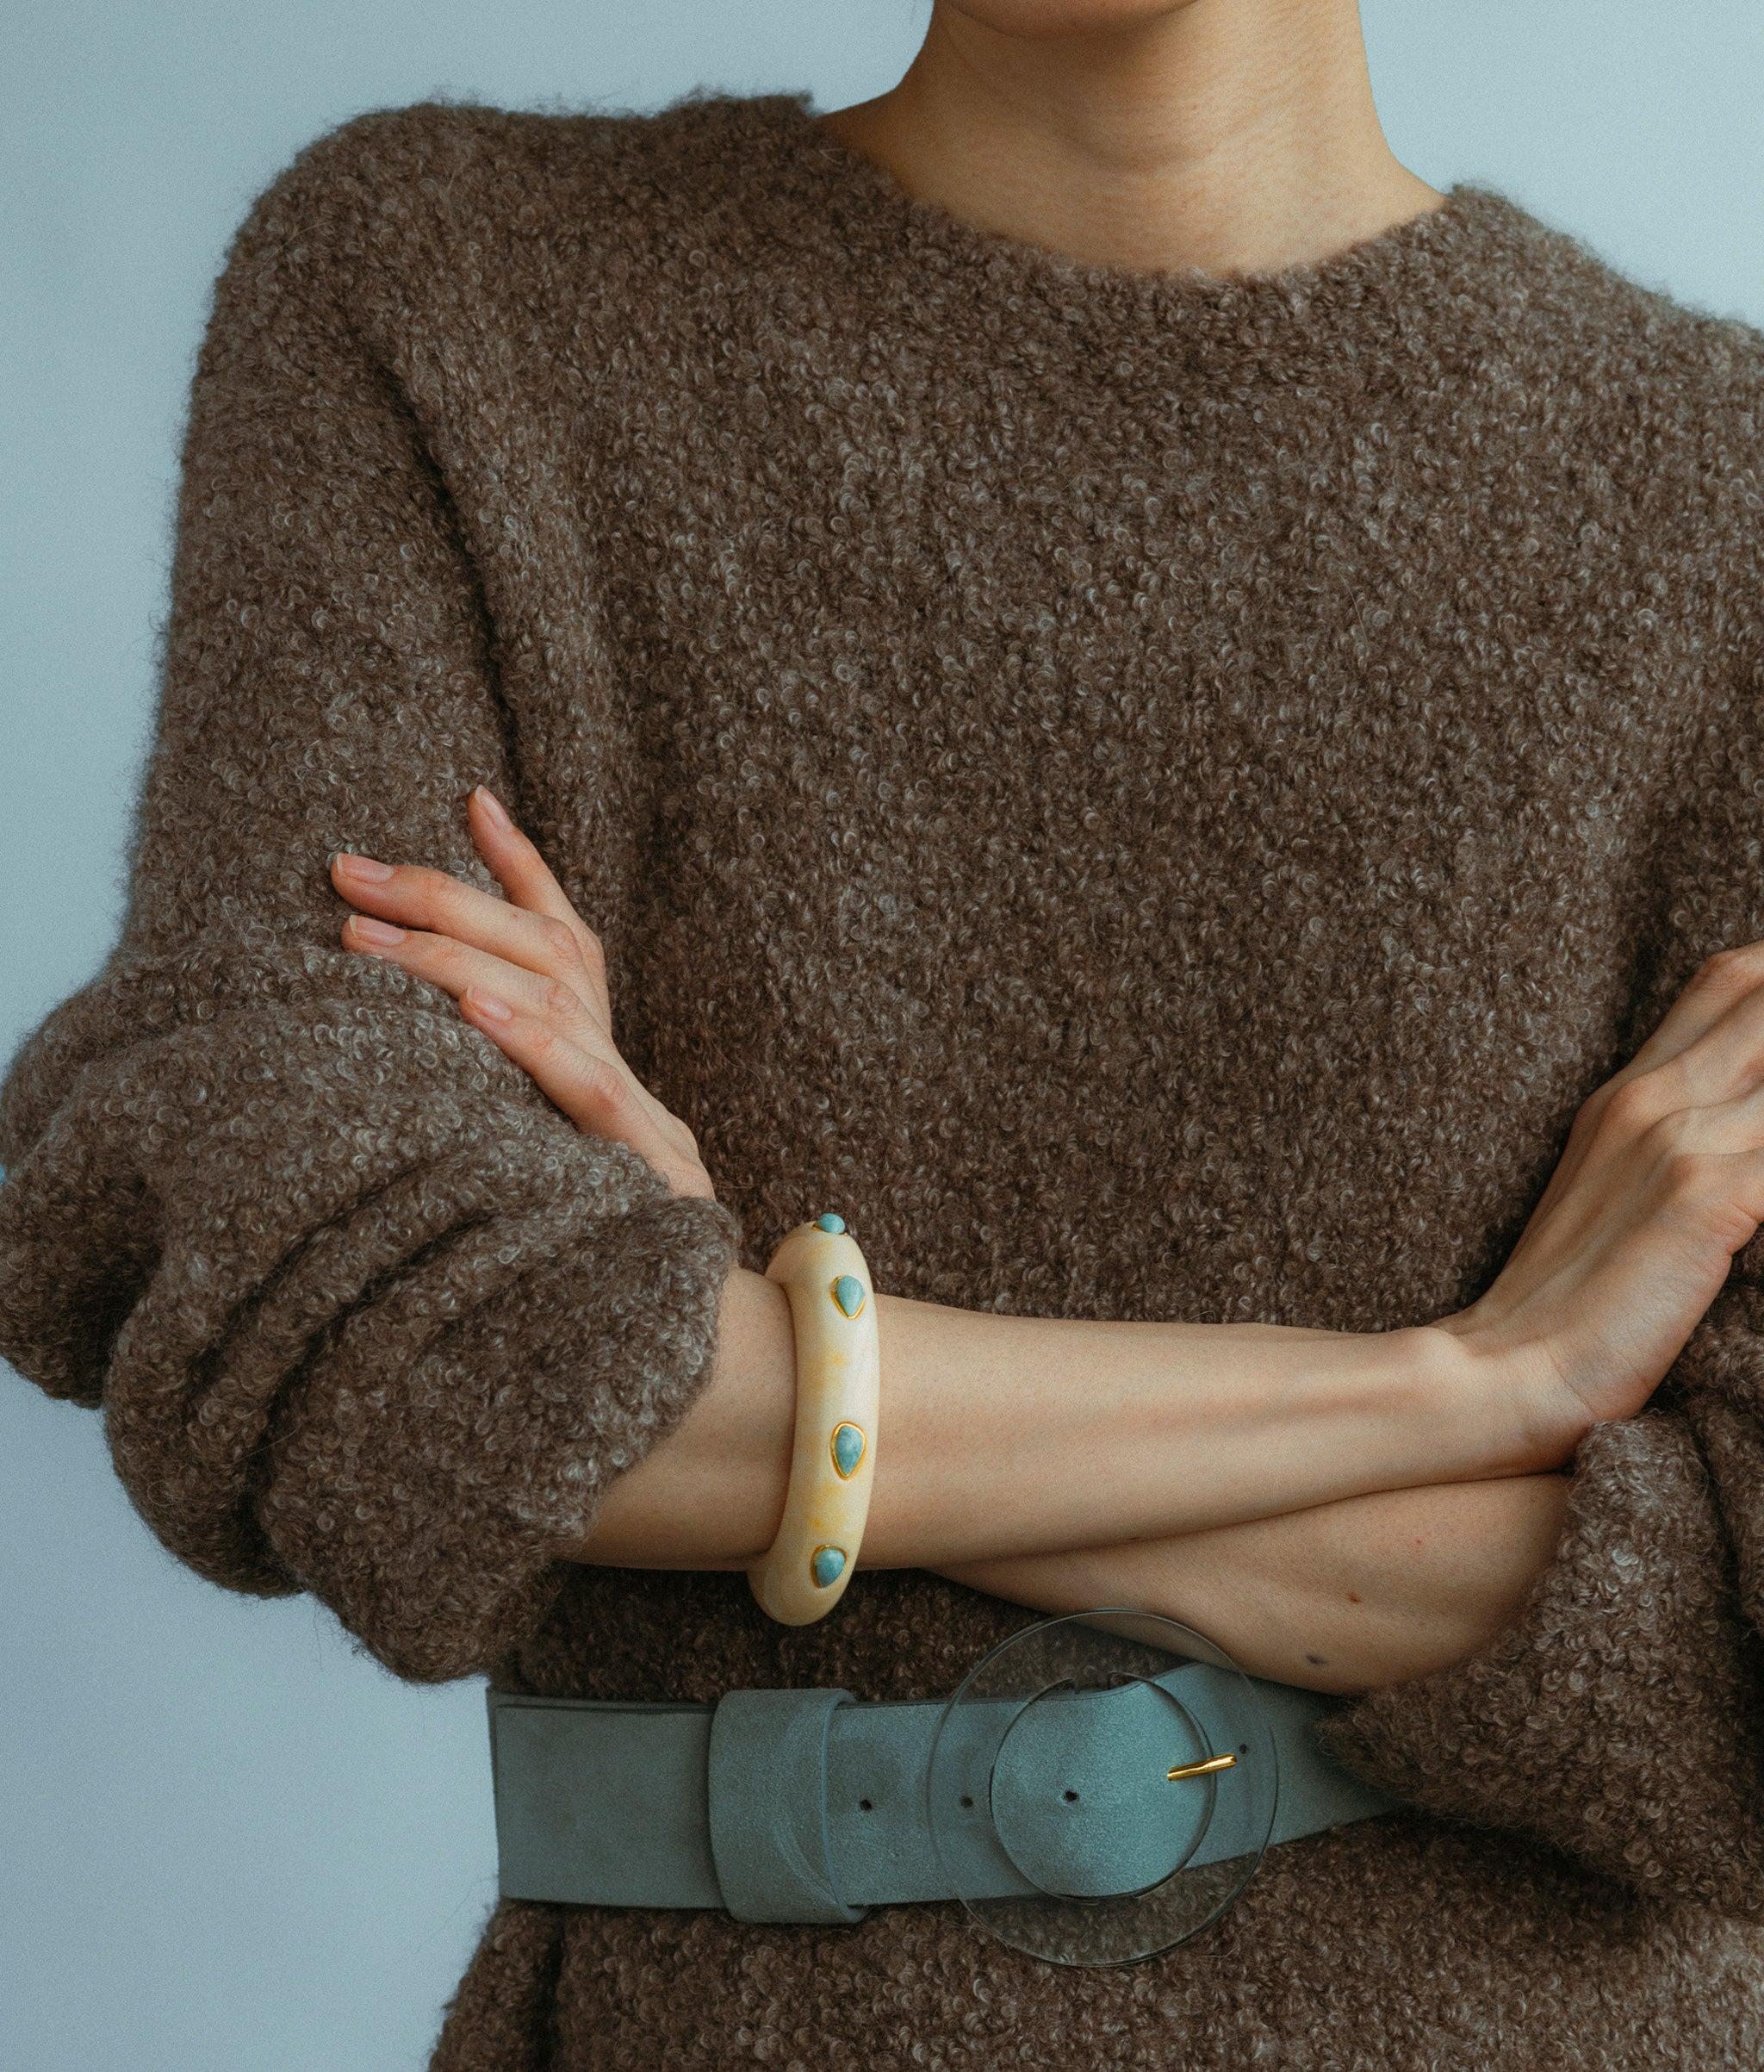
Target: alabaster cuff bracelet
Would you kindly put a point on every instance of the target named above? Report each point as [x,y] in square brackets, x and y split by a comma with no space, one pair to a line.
[803,1574]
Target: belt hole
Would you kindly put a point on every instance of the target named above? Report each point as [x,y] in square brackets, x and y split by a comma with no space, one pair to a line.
[864,1806]
[1070,1797]
[965,1800]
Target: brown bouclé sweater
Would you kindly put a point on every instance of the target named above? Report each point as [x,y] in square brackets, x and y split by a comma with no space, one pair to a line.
[1154,796]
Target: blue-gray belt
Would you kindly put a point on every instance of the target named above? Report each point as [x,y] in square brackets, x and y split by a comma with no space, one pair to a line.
[806,1806]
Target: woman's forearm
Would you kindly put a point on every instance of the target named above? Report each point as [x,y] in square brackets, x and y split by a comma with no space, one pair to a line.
[1341,1597]
[1002,1436]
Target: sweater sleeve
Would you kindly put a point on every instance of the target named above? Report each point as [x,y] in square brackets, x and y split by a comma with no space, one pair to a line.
[1621,1716]
[366,1316]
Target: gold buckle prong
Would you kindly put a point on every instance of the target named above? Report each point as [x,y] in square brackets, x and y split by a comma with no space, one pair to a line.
[1205,1768]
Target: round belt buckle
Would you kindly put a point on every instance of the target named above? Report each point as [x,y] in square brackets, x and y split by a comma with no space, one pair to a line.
[1101,1787]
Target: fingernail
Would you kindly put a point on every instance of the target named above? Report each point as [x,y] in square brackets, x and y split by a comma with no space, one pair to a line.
[370,931]
[488,1004]
[494,812]
[364,867]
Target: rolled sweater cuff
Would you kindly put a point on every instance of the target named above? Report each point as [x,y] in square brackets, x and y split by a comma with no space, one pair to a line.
[1619,1716]
[430,1510]
[371,1320]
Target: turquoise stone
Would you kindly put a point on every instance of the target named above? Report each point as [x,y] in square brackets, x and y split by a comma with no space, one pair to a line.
[849,1293]
[848,1448]
[827,1565]
[832,1224]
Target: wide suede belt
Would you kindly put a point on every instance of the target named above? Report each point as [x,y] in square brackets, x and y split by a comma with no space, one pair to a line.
[807,1805]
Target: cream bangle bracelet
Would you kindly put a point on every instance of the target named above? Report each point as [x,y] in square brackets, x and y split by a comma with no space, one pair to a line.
[803,1574]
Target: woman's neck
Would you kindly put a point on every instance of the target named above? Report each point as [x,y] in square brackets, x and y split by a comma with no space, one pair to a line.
[1233,135]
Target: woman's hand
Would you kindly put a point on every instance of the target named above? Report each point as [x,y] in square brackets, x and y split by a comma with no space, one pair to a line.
[1662,1182]
[528,972]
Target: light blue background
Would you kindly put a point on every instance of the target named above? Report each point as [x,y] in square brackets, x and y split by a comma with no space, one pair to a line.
[227,1843]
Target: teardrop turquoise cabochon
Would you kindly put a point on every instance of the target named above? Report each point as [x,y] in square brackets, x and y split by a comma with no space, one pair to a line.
[827,1565]
[849,1293]
[848,1448]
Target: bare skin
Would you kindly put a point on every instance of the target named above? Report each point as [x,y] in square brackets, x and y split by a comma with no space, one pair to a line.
[1338,1598]
[1233,135]
[1306,1445]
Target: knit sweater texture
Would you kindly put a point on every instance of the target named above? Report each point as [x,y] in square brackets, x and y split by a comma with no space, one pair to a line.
[1155,796]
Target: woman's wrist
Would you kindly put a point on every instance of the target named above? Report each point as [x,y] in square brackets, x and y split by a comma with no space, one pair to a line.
[710,1494]
[1535,1418]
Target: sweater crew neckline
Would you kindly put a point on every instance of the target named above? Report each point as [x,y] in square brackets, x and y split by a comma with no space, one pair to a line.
[1431,271]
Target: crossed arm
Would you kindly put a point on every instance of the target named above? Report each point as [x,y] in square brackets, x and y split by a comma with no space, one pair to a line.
[1219,1446]
[1339,1509]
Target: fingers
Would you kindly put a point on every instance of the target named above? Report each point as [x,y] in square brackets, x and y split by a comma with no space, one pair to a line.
[525,875]
[520,870]
[410,897]
[590,1092]
[527,973]
[1708,1049]
[1662,1182]
[456,965]
[1715,1134]
[1701,1159]
[1723,1000]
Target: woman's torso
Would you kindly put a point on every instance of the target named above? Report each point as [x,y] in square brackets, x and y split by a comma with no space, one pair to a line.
[1152,800]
